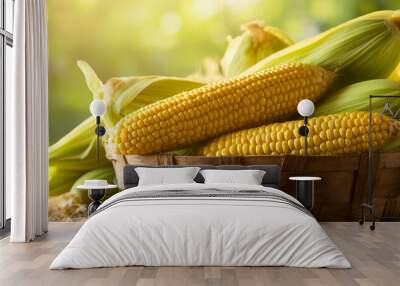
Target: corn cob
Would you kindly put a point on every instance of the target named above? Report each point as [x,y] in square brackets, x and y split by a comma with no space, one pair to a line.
[255,43]
[340,133]
[363,48]
[219,108]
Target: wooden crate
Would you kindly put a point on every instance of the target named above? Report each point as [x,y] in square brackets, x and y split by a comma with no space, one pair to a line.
[338,196]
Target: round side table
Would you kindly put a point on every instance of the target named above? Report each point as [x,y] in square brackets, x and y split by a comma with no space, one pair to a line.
[96,194]
[305,190]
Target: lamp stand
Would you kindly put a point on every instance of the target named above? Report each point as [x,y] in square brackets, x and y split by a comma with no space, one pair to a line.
[100,131]
[303,131]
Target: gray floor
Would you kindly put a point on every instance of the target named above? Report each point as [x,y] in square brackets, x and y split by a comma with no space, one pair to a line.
[375,257]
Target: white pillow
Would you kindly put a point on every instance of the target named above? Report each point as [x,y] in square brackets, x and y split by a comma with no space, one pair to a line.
[166,176]
[248,177]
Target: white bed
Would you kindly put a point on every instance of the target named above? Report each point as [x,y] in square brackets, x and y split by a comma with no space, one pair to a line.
[185,230]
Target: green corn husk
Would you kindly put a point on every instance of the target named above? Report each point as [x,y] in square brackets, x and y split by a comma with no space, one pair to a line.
[361,49]
[392,146]
[395,74]
[75,154]
[77,143]
[255,43]
[64,173]
[355,97]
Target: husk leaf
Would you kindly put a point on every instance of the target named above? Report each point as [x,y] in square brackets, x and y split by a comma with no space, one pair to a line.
[355,97]
[255,43]
[361,49]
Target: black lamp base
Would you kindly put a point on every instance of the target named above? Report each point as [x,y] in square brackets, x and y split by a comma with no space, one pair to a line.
[100,131]
[95,195]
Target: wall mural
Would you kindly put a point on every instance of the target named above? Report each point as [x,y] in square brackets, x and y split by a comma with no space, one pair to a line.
[241,101]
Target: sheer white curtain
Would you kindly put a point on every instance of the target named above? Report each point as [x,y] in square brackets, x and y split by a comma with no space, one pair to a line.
[27,124]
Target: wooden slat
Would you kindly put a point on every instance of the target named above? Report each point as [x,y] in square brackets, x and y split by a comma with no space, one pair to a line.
[360,186]
[262,160]
[389,160]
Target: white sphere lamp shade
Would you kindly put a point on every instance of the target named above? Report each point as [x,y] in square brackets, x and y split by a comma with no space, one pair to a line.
[305,108]
[97,107]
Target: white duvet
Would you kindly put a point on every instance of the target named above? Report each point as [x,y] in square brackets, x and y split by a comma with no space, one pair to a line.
[200,231]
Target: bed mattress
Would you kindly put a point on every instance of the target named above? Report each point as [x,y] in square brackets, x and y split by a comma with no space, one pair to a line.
[201,225]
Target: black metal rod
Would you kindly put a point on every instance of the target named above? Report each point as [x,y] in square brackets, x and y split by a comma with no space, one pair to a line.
[98,147]
[98,137]
[370,146]
[305,137]
[370,154]
[384,96]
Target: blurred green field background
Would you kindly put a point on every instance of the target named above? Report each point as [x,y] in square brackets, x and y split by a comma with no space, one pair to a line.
[164,37]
